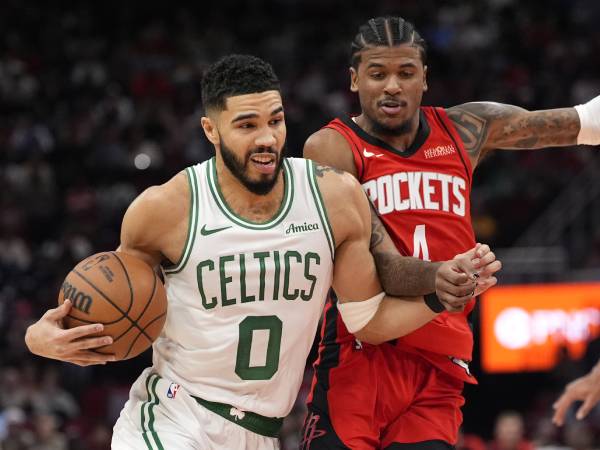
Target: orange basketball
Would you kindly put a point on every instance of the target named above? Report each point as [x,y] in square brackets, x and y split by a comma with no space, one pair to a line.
[123,293]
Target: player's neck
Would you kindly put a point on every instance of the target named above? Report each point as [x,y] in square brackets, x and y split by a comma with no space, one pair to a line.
[250,206]
[400,142]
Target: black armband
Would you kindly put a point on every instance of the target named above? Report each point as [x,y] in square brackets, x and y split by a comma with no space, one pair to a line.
[433,302]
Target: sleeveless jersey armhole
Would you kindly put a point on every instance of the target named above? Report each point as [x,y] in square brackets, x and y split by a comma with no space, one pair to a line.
[192,224]
[359,162]
[320,205]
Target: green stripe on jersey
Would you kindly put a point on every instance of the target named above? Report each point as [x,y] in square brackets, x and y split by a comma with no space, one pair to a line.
[316,192]
[150,436]
[284,208]
[192,224]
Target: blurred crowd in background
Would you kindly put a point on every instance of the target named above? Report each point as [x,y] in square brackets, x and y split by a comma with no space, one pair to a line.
[99,101]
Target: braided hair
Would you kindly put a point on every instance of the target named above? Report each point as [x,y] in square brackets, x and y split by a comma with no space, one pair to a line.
[386,31]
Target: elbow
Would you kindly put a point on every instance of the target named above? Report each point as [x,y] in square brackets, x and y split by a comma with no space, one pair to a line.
[27,339]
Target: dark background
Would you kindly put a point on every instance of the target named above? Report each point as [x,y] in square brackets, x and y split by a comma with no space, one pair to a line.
[86,89]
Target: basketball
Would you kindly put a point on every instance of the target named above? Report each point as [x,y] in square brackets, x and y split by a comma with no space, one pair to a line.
[123,293]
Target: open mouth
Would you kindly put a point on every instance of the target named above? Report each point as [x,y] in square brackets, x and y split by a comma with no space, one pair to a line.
[264,162]
[391,107]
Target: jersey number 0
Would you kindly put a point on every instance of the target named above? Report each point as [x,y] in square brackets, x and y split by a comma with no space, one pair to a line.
[247,327]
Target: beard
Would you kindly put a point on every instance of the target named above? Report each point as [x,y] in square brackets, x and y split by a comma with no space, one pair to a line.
[381,129]
[239,168]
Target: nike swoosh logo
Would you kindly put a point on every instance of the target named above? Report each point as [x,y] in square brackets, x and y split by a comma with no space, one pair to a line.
[205,232]
[368,154]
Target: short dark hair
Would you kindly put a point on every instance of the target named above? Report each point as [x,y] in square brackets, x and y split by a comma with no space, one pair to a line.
[236,75]
[386,31]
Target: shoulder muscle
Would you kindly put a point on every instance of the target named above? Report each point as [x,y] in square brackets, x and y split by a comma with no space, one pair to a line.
[152,223]
[330,148]
[346,203]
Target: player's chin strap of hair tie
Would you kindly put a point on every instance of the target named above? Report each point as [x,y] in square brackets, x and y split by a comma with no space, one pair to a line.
[357,314]
[589,118]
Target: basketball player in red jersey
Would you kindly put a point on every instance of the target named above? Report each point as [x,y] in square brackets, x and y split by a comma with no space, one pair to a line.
[415,164]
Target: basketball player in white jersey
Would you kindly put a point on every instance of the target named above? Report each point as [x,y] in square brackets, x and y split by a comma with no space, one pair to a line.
[251,238]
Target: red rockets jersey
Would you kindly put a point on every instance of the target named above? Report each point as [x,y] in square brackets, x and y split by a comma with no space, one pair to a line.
[422,196]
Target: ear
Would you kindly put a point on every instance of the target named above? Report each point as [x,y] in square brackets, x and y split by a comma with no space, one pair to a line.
[425,79]
[353,80]
[210,130]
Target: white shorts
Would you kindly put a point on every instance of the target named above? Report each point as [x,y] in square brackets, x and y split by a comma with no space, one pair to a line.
[161,415]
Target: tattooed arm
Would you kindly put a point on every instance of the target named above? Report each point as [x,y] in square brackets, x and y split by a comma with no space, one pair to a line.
[399,275]
[484,126]
[450,280]
[403,275]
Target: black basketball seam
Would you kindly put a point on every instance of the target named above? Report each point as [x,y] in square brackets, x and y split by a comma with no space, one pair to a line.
[139,334]
[96,350]
[133,322]
[132,344]
[142,313]
[128,281]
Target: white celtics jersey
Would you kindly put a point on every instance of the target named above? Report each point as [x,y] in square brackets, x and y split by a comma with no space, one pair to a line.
[245,298]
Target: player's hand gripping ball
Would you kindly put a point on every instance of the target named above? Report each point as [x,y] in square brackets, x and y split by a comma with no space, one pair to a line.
[123,293]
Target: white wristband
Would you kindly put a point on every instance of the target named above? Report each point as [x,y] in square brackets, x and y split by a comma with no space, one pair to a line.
[589,118]
[357,314]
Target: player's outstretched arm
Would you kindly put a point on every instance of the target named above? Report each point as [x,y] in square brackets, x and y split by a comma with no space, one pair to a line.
[484,126]
[367,312]
[585,389]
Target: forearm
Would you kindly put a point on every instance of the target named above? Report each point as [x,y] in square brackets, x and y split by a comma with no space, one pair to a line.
[405,275]
[538,129]
[483,126]
[395,317]
[399,275]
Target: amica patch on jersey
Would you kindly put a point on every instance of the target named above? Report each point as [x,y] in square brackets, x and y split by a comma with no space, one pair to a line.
[299,228]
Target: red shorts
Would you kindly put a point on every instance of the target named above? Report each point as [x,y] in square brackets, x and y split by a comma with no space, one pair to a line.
[379,395]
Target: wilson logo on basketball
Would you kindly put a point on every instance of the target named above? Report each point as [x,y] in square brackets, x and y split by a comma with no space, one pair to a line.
[80,300]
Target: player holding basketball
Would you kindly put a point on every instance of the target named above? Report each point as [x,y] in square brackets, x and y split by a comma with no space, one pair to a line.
[416,164]
[252,236]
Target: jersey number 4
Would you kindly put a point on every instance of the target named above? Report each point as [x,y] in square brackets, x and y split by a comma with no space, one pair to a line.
[271,324]
[420,243]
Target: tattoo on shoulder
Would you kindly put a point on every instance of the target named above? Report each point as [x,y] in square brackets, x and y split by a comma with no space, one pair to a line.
[471,127]
[321,170]
[376,234]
